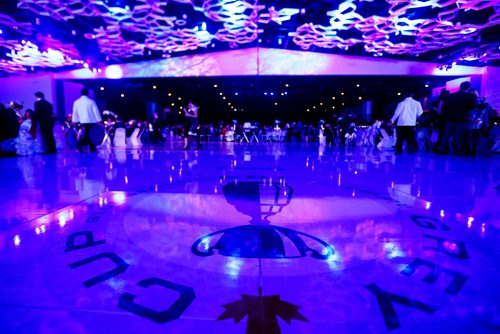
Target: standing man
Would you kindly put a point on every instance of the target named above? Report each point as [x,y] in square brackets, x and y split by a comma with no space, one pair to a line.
[406,113]
[86,113]
[156,125]
[44,116]
[456,109]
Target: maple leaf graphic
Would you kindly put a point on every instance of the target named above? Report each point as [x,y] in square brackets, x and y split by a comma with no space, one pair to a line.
[262,312]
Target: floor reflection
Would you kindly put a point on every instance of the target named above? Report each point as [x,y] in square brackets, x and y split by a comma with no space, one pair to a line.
[279,238]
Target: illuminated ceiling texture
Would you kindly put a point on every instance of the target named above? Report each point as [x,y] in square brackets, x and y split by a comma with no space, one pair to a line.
[68,34]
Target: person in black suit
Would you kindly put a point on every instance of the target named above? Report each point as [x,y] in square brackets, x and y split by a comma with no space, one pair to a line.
[9,123]
[9,128]
[456,108]
[44,116]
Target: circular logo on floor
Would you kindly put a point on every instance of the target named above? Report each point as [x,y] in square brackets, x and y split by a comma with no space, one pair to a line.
[264,249]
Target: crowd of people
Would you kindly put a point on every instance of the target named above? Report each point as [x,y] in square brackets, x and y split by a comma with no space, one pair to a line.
[458,121]
[19,130]
[31,131]
[454,124]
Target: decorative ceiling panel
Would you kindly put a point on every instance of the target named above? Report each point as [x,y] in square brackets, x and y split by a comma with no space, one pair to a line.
[38,34]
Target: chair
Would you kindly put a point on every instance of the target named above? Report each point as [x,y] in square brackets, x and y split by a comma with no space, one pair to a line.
[249,133]
[350,139]
[107,139]
[119,138]
[322,138]
[229,136]
[266,137]
[386,141]
[254,134]
[134,140]
[246,131]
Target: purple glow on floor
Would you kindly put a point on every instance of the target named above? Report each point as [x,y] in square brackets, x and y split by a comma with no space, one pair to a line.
[274,243]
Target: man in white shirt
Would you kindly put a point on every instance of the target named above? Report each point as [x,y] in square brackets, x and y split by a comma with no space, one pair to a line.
[86,113]
[406,114]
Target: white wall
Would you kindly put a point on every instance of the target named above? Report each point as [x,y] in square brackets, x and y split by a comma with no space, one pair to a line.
[453,86]
[490,86]
[262,61]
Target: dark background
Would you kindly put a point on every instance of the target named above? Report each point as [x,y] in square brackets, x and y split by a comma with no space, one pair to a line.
[260,98]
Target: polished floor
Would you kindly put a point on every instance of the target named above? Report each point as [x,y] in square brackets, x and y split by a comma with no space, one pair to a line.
[249,238]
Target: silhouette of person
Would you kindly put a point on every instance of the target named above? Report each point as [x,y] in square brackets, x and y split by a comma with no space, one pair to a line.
[191,126]
[456,109]
[43,116]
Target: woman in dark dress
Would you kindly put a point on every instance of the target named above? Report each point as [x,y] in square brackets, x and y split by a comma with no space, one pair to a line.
[191,126]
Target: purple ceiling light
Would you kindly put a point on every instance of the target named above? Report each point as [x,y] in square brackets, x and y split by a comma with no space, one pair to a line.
[129,30]
[430,34]
[44,52]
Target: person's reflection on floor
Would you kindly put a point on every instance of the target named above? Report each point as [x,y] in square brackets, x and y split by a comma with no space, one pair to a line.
[89,181]
[11,208]
[48,181]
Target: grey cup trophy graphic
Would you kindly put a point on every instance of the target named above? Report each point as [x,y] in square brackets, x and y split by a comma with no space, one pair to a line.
[260,239]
